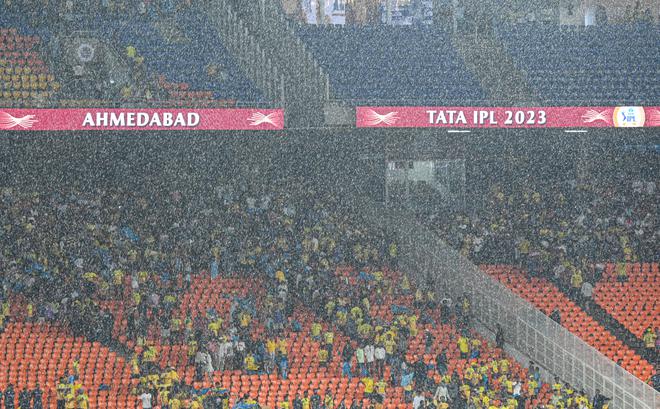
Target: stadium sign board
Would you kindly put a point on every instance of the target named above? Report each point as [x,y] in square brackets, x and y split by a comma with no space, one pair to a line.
[511,117]
[140,119]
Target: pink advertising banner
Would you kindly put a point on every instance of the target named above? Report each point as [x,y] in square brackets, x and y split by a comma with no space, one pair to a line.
[514,117]
[140,119]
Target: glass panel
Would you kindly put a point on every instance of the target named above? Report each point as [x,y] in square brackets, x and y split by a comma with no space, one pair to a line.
[568,368]
[608,388]
[559,363]
[578,371]
[589,380]
[618,400]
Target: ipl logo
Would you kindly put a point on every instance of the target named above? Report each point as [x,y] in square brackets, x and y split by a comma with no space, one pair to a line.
[629,117]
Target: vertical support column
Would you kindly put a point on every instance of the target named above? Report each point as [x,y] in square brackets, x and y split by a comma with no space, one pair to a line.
[321,12]
[582,164]
[388,11]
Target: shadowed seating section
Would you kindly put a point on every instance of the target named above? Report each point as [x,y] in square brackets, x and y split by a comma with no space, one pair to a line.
[392,63]
[188,56]
[617,64]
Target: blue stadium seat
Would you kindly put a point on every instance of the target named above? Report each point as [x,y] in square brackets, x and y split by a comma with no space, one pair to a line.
[392,63]
[614,64]
[187,61]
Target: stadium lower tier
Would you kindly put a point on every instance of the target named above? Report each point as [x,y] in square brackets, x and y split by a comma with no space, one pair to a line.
[32,353]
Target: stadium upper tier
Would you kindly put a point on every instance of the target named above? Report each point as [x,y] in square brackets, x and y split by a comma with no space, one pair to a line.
[179,59]
[392,63]
[189,51]
[619,64]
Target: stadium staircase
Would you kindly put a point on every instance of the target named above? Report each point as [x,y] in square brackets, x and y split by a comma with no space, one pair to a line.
[290,67]
[546,297]
[634,303]
[490,63]
[616,327]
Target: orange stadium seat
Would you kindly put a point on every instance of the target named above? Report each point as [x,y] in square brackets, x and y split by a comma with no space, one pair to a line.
[546,297]
[19,63]
[633,303]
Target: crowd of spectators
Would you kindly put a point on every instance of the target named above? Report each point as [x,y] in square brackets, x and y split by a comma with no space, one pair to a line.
[73,252]
[577,224]
[566,235]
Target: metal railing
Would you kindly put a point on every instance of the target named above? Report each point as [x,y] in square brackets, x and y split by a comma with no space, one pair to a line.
[135,103]
[461,102]
[249,53]
[285,48]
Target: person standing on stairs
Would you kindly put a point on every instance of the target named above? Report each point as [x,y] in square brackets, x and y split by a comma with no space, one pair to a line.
[587,292]
[499,337]
[649,338]
[576,283]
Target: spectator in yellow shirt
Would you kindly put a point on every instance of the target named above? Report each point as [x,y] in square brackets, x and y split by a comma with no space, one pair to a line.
[283,347]
[316,331]
[250,364]
[532,386]
[305,401]
[82,401]
[368,383]
[649,338]
[245,319]
[576,283]
[322,356]
[463,347]
[621,272]
[329,401]
[381,388]
[196,404]
[412,325]
[175,403]
[329,339]
[215,326]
